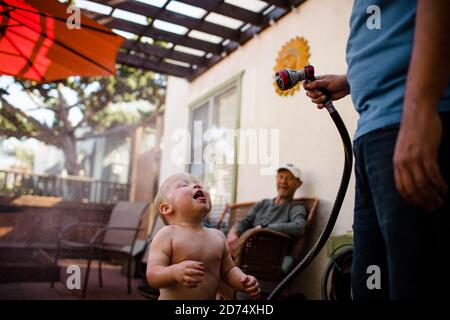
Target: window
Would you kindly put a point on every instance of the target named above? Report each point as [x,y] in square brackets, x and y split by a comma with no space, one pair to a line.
[213,125]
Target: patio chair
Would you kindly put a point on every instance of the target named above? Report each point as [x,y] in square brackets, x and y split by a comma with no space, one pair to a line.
[266,254]
[116,240]
[145,289]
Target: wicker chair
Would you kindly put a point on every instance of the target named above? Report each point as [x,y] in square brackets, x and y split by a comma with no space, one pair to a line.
[261,252]
[116,240]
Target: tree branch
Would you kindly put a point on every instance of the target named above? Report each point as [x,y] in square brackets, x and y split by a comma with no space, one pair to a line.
[38,136]
[79,102]
[42,107]
[79,124]
[123,128]
[31,95]
[62,112]
[37,124]
[13,134]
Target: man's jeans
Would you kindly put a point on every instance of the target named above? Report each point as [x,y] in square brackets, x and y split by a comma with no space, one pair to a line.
[407,243]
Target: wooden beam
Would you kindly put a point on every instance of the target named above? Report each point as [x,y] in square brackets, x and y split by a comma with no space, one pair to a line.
[296,3]
[258,21]
[275,15]
[175,18]
[161,35]
[160,67]
[285,4]
[154,33]
[228,10]
[162,52]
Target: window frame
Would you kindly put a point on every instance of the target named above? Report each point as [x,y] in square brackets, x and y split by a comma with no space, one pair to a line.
[208,97]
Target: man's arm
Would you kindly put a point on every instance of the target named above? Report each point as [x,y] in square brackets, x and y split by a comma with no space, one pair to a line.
[417,174]
[248,221]
[242,225]
[296,227]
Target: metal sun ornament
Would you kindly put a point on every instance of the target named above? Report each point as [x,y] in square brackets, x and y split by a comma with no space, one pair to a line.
[293,55]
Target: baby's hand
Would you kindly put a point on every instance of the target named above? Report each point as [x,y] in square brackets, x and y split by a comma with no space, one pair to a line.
[189,273]
[251,286]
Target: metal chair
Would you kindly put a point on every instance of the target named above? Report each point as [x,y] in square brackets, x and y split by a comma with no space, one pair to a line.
[116,240]
[145,289]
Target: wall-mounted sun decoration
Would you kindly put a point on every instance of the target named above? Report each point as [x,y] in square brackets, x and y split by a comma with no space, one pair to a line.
[293,55]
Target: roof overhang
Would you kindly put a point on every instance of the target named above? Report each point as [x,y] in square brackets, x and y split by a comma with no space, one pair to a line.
[157,49]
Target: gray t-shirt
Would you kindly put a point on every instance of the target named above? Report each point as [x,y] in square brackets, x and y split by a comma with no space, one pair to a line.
[288,218]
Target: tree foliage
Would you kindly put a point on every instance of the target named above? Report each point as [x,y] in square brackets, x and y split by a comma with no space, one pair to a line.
[95,96]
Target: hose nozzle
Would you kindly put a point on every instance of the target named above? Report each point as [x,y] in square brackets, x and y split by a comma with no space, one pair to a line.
[288,78]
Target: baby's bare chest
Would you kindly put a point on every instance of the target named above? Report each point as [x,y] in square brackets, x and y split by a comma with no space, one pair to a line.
[202,247]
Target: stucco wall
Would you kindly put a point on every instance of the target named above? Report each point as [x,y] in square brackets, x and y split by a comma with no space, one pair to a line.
[307,136]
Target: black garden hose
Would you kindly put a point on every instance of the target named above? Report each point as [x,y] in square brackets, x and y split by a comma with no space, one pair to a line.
[284,80]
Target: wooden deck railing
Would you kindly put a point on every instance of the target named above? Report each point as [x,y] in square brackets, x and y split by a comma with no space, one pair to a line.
[71,188]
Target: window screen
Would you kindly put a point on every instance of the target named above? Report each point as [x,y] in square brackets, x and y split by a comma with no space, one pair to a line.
[213,125]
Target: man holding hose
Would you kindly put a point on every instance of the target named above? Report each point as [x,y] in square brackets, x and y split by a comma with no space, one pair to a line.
[398,77]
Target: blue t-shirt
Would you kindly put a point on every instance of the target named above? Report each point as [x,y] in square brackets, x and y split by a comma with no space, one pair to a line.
[378,61]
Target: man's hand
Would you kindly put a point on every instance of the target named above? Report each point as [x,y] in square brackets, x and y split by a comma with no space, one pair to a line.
[336,85]
[417,174]
[232,240]
[189,273]
[251,286]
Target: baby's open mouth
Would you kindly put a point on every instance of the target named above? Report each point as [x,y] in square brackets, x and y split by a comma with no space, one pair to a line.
[199,194]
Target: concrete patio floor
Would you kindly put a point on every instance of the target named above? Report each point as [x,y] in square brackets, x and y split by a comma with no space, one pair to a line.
[114,286]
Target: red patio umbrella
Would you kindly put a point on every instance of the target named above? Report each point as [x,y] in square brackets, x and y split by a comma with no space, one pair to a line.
[36,43]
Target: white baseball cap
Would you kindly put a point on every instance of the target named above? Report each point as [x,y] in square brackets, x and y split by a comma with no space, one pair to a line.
[292,169]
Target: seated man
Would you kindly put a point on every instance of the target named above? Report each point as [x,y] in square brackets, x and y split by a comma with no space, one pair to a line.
[279,214]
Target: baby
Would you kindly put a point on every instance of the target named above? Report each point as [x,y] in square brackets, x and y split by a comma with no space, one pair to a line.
[187,260]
